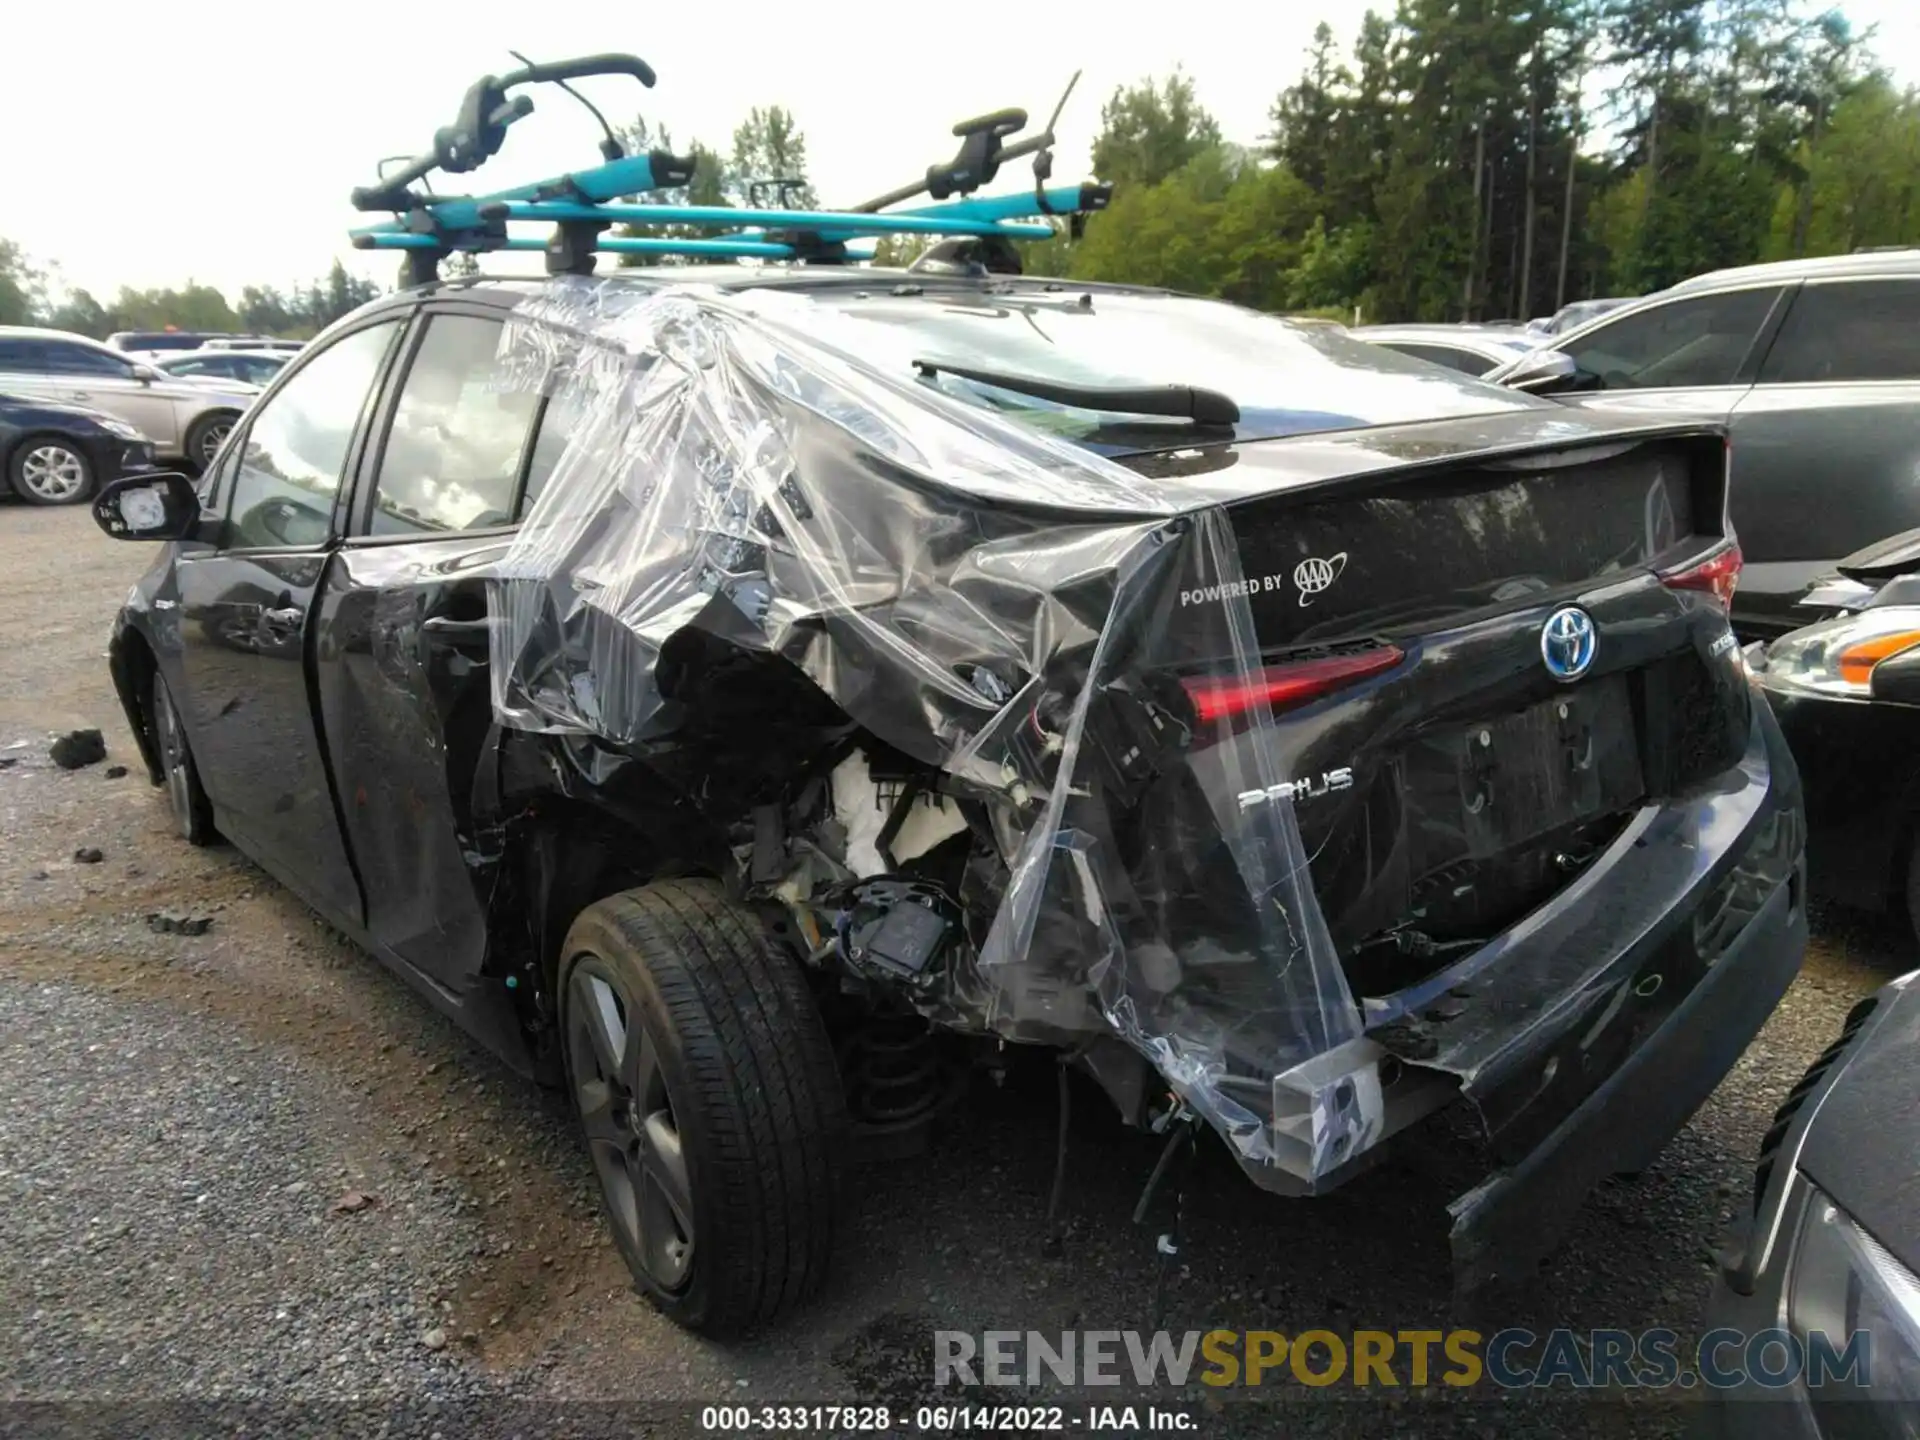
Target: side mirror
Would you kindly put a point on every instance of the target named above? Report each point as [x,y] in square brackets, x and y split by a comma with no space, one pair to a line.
[157,506]
[145,374]
[1540,372]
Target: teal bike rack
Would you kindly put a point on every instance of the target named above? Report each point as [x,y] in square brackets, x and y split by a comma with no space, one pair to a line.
[583,205]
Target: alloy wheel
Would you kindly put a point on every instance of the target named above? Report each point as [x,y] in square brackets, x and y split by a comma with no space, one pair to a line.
[212,436]
[54,473]
[621,1094]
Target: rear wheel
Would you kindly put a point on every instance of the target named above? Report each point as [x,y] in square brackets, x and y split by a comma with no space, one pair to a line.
[705,1085]
[47,470]
[192,811]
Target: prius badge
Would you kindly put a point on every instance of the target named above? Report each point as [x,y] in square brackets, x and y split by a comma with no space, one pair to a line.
[1567,643]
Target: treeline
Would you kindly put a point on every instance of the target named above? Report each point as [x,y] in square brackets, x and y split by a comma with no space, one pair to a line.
[298,312]
[1491,159]
[1463,159]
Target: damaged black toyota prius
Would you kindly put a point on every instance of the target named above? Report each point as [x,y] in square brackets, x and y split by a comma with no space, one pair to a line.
[677,675]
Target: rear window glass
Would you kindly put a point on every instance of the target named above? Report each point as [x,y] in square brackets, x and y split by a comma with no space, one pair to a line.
[1462,360]
[1287,377]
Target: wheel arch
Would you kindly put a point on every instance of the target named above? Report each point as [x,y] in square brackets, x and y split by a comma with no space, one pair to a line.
[561,853]
[133,666]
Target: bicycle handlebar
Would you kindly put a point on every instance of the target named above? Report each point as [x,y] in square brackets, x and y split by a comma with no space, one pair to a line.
[485,113]
[579,68]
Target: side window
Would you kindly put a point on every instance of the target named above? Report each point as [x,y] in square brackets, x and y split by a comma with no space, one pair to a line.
[556,429]
[62,358]
[1856,330]
[296,445]
[20,355]
[1697,341]
[452,458]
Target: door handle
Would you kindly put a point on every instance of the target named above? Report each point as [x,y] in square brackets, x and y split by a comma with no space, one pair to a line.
[79,395]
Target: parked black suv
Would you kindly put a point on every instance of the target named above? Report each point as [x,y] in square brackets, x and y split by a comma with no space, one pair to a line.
[1814,368]
[685,678]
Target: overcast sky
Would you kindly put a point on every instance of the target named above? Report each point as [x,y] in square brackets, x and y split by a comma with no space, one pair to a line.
[149,143]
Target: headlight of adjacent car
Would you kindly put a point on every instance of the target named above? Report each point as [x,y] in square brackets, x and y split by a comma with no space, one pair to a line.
[1845,1282]
[1836,657]
[122,429]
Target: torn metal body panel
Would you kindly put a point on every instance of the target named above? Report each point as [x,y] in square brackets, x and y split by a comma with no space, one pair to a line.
[1313,773]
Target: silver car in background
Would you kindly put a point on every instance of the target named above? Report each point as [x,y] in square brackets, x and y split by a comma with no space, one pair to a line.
[1470,349]
[186,418]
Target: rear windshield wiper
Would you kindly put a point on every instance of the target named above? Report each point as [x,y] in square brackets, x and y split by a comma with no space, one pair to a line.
[1184,402]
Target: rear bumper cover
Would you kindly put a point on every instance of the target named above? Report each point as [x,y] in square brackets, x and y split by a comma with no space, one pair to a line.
[1605,1021]
[1502,1228]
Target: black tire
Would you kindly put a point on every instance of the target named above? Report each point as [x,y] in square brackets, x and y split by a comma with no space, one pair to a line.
[50,470]
[179,775]
[717,1128]
[206,435]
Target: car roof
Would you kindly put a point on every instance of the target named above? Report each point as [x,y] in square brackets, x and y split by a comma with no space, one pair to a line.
[1487,340]
[1437,331]
[42,332]
[240,350]
[1824,267]
[506,291]
[895,304]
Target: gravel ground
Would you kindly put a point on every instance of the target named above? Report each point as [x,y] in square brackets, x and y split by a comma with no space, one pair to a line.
[186,1111]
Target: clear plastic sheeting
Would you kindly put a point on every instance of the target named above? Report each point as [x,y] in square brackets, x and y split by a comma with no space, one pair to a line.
[1027,827]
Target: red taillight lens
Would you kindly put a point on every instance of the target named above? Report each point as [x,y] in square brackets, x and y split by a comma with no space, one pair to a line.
[1280,685]
[1718,574]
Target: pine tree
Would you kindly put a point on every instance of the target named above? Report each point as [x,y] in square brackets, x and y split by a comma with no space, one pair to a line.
[1149,130]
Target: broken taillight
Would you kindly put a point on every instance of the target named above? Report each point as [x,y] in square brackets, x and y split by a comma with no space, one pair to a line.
[1717,574]
[1220,697]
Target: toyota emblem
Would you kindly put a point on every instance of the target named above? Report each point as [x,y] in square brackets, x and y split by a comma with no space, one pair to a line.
[1567,643]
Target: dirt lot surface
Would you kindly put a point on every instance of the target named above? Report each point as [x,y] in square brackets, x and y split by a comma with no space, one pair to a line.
[188,1121]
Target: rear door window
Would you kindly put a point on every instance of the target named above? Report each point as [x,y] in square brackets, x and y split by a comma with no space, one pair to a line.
[66,358]
[453,454]
[557,424]
[1701,340]
[1851,330]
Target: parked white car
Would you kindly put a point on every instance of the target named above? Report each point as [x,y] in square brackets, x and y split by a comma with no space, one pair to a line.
[186,417]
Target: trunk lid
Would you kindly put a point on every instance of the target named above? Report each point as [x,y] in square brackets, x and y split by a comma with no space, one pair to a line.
[1457,782]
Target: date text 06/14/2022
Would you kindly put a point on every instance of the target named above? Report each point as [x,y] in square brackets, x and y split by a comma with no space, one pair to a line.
[945,1419]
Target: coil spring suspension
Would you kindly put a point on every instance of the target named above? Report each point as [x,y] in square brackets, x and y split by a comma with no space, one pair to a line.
[898,1082]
